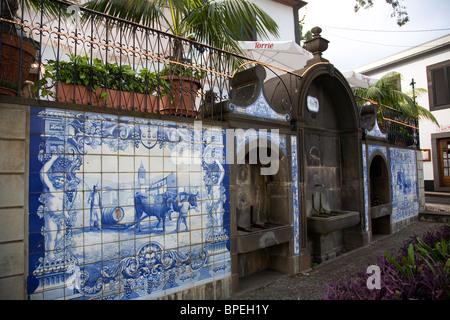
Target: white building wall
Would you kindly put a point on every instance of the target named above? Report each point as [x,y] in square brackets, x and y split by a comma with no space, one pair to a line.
[283,16]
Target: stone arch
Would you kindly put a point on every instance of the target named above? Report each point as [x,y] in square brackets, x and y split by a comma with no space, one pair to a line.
[263,198]
[325,79]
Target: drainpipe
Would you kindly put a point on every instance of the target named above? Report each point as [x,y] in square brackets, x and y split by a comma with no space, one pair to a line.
[295,9]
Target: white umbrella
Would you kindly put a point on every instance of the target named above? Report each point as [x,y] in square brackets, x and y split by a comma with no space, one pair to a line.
[359,80]
[286,55]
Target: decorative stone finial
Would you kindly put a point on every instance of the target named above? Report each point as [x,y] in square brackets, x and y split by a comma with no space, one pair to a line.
[316,32]
[317,45]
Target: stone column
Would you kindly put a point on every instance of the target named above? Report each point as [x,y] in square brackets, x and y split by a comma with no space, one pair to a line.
[13,200]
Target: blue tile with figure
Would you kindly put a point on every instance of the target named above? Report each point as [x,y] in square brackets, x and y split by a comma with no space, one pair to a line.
[124,207]
[404,190]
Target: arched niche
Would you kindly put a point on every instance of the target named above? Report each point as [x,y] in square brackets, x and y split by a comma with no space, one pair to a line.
[326,117]
[332,140]
[380,207]
[262,199]
[379,182]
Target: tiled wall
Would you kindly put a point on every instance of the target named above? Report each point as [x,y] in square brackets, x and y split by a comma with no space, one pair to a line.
[403,174]
[123,207]
[132,208]
[295,194]
[366,188]
[403,166]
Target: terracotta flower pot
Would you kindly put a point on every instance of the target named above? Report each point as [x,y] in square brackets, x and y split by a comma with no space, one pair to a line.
[11,71]
[82,94]
[183,93]
[128,100]
[115,100]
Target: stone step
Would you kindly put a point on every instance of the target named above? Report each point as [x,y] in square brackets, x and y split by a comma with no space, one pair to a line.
[437,207]
[435,216]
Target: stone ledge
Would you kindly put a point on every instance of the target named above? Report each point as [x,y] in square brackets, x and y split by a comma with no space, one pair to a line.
[435,207]
[434,216]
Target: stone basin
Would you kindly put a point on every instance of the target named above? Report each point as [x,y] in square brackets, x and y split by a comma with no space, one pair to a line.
[331,221]
[259,237]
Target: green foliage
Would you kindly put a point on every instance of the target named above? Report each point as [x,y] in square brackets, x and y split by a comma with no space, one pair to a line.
[433,256]
[50,10]
[217,23]
[439,255]
[80,70]
[420,271]
[304,37]
[386,91]
[398,10]
[408,268]
[124,78]
[148,82]
[182,71]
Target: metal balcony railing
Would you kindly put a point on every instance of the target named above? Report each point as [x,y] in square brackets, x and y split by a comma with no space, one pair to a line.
[398,128]
[401,130]
[53,51]
[68,54]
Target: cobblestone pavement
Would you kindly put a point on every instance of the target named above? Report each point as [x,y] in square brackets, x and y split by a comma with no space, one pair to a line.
[312,285]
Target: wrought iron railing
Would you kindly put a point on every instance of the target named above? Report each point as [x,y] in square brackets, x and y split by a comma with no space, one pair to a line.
[398,128]
[401,130]
[79,56]
[54,51]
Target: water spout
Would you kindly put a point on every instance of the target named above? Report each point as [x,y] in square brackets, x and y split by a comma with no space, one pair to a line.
[321,208]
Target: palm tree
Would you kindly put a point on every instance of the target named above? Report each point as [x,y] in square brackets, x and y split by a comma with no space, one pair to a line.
[10,8]
[385,92]
[216,23]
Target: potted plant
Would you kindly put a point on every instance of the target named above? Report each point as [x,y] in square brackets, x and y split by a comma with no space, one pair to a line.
[127,88]
[92,82]
[18,52]
[74,81]
[183,90]
[12,69]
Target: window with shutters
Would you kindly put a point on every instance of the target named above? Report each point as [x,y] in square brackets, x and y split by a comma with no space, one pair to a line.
[439,85]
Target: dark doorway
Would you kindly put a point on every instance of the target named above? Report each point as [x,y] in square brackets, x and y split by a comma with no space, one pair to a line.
[444,161]
[380,206]
[379,182]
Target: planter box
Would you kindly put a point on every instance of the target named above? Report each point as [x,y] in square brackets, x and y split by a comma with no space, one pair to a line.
[11,71]
[80,94]
[183,93]
[128,101]
[77,94]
